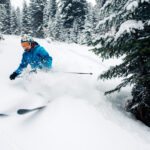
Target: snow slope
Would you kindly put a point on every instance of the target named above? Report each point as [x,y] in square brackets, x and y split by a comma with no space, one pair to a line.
[79,116]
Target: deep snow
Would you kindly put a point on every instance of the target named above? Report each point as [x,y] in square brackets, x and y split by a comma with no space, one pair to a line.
[79,116]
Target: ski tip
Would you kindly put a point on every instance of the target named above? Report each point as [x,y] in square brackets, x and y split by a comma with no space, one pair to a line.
[22,111]
[4,115]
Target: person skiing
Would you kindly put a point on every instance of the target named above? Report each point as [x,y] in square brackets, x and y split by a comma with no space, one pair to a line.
[35,55]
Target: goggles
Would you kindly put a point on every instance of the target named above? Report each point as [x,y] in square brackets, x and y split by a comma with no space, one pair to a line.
[25,44]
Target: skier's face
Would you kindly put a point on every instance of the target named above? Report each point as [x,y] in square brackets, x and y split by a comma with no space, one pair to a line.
[26,46]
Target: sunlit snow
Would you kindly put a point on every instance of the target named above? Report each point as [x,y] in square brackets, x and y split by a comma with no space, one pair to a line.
[78,117]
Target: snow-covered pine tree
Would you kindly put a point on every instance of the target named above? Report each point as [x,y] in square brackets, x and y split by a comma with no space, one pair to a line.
[74,32]
[58,28]
[14,22]
[80,18]
[2,11]
[5,19]
[50,17]
[18,13]
[100,3]
[125,31]
[90,25]
[49,11]
[36,12]
[25,21]
[46,15]
[71,11]
[52,9]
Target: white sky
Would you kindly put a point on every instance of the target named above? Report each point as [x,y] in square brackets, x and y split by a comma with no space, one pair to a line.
[18,3]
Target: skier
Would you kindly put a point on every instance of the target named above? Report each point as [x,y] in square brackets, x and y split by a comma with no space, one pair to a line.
[35,55]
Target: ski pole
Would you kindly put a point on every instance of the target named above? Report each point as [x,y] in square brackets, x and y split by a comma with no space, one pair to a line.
[88,73]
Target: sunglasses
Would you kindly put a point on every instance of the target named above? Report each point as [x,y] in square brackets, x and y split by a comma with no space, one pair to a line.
[25,44]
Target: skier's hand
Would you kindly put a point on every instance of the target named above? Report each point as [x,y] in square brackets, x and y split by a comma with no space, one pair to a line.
[13,76]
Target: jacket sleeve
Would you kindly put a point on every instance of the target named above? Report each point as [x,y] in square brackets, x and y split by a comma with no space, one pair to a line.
[22,65]
[46,58]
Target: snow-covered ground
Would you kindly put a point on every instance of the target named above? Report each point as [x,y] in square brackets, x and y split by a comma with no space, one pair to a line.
[79,116]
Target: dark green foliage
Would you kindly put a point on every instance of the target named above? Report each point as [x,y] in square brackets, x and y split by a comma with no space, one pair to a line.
[90,25]
[36,12]
[52,9]
[49,18]
[15,22]
[6,16]
[74,10]
[134,45]
[70,20]
[2,1]
[25,22]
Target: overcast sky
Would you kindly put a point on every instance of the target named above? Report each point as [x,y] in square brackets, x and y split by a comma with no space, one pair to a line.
[18,3]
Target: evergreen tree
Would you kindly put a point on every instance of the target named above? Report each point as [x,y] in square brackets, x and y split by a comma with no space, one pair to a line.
[52,9]
[25,22]
[50,17]
[128,34]
[2,11]
[100,3]
[72,14]
[5,20]
[74,32]
[14,23]
[74,10]
[90,25]
[58,28]
[46,15]
[36,12]
[18,14]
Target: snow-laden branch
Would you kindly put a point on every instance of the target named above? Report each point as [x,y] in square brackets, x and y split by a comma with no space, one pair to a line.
[129,26]
[131,6]
[106,19]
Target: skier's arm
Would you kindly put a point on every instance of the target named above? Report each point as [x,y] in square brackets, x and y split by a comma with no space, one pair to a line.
[22,65]
[46,58]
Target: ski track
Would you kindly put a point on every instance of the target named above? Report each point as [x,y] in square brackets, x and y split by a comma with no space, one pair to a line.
[79,116]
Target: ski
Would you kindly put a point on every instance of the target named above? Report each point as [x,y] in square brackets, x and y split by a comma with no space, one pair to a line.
[3,115]
[25,111]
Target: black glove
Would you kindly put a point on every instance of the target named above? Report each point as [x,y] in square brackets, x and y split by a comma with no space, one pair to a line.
[13,76]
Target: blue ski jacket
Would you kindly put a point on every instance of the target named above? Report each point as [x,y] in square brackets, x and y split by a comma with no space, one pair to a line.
[37,57]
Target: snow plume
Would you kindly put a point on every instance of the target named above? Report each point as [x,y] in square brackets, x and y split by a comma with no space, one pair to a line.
[129,26]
